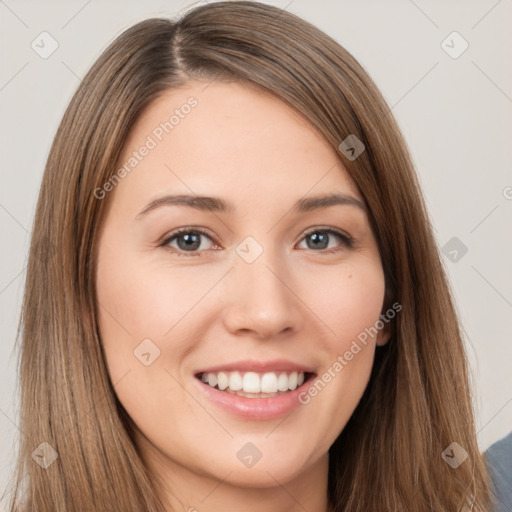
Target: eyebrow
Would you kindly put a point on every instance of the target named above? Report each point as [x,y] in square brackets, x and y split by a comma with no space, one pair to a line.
[216,204]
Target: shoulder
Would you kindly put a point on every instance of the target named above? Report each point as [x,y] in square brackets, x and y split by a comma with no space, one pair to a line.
[499,462]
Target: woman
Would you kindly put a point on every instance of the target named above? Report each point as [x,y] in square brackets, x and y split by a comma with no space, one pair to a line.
[189,342]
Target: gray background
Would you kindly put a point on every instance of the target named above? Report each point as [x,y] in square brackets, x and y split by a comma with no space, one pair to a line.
[456,115]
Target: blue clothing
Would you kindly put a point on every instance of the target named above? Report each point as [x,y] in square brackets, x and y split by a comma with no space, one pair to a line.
[499,462]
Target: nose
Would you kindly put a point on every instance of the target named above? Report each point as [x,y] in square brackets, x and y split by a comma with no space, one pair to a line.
[261,300]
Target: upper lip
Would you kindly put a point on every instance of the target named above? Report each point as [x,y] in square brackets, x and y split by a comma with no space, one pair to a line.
[252,365]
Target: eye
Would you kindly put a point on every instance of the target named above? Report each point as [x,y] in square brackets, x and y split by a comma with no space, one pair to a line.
[319,239]
[188,241]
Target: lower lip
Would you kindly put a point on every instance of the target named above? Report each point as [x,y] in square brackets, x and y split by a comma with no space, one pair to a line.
[256,408]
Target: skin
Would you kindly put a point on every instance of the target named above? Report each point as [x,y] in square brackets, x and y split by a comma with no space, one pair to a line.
[295,301]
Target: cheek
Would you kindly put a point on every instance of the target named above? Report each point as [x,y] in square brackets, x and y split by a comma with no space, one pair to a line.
[151,307]
[142,311]
[349,311]
[347,300]
[139,300]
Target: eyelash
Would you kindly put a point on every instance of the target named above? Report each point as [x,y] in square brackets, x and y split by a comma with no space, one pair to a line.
[346,240]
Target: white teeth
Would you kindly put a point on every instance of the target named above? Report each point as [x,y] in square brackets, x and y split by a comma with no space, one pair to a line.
[251,383]
[235,381]
[212,379]
[282,382]
[222,381]
[292,381]
[269,383]
[255,383]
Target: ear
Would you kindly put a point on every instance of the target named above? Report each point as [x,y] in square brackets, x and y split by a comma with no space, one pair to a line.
[384,335]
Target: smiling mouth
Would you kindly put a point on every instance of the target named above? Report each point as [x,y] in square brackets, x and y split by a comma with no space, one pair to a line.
[254,384]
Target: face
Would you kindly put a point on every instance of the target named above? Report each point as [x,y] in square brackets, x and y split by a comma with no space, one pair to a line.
[264,289]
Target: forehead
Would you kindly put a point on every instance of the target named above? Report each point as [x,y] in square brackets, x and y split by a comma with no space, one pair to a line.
[228,139]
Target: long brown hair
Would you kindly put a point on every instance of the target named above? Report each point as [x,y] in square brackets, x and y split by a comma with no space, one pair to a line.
[417,403]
